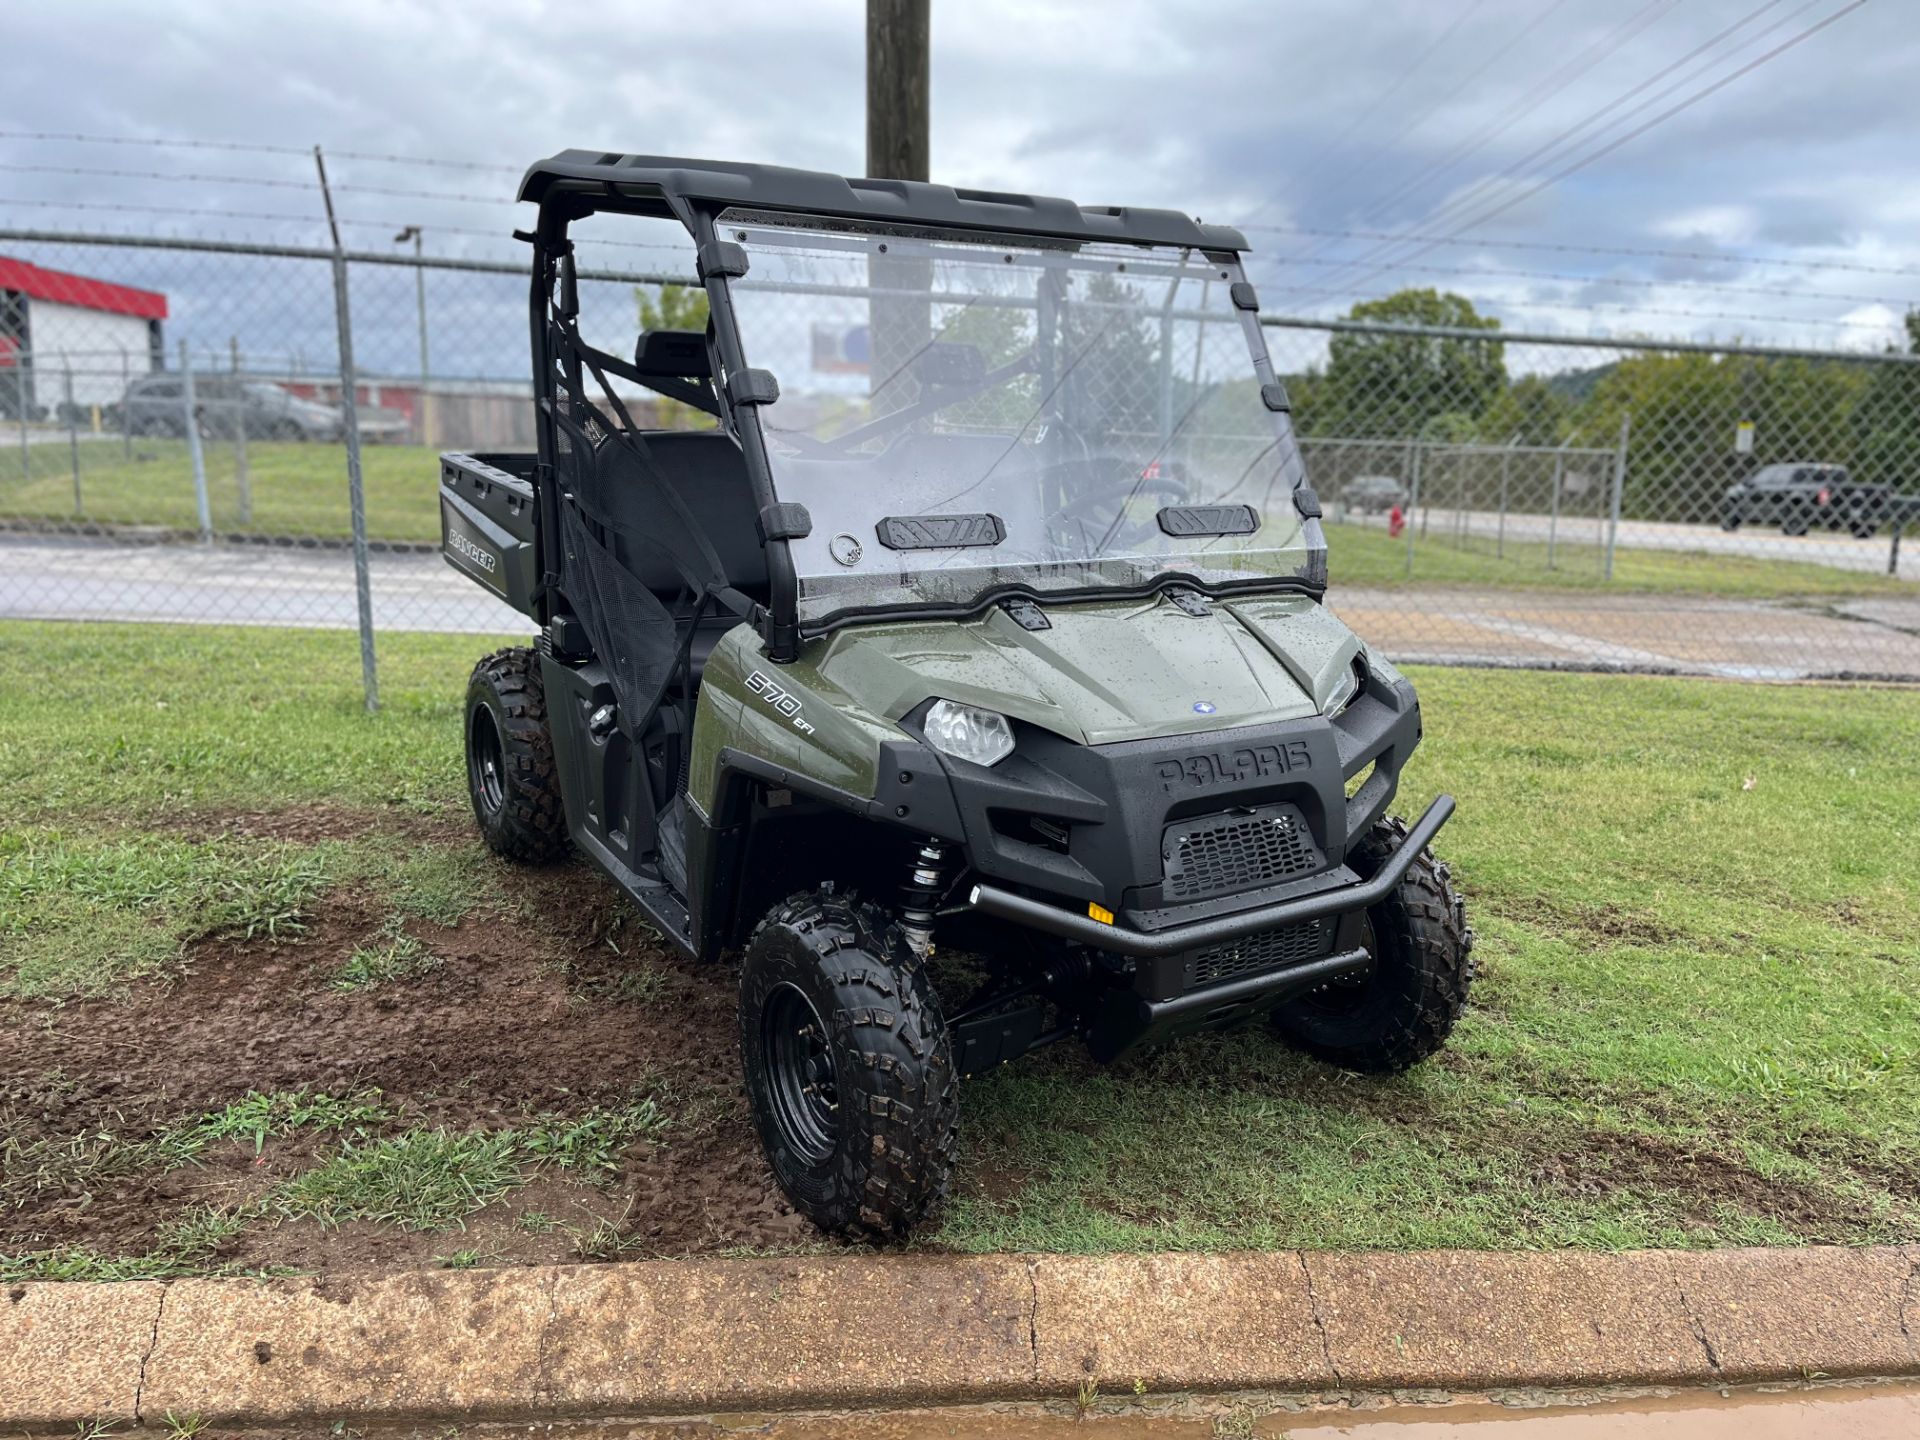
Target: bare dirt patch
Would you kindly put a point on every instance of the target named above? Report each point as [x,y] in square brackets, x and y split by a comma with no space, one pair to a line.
[530,1012]
[316,823]
[1705,1180]
[1592,924]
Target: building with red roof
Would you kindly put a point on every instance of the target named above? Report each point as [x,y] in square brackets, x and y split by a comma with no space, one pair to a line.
[61,330]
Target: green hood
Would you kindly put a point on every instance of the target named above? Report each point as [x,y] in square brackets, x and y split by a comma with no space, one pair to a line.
[1107,671]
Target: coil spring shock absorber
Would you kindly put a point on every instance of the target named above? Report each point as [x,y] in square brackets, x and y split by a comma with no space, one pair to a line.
[926,882]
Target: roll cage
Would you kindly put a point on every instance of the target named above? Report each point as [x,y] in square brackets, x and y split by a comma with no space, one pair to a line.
[579,417]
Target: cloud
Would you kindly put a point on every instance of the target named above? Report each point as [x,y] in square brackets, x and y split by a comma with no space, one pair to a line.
[1309,114]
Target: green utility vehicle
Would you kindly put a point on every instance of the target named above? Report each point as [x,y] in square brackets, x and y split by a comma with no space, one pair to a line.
[982,611]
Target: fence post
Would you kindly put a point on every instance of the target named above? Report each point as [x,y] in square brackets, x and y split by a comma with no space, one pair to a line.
[426,373]
[20,388]
[350,419]
[126,419]
[242,476]
[73,434]
[1619,484]
[1506,468]
[1413,501]
[1553,517]
[198,455]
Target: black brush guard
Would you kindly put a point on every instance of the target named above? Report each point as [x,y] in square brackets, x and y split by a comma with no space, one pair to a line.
[1128,1019]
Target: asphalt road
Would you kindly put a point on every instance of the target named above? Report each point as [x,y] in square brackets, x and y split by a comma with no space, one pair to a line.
[90,579]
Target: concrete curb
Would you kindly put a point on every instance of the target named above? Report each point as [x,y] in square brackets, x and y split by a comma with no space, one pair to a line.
[666,1337]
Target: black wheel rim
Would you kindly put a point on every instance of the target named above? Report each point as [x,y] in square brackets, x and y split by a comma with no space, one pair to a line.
[799,1070]
[486,760]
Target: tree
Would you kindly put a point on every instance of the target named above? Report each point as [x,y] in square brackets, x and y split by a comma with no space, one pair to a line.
[1108,358]
[1527,412]
[673,307]
[1886,423]
[1393,386]
[1686,410]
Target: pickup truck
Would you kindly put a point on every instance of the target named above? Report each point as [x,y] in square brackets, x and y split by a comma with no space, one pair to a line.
[1799,497]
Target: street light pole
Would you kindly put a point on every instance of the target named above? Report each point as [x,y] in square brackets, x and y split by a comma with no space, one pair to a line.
[412,232]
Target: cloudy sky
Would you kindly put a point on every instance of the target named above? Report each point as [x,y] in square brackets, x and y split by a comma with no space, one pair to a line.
[1785,201]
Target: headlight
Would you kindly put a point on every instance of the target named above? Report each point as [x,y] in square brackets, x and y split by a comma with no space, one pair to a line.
[1346,687]
[967,732]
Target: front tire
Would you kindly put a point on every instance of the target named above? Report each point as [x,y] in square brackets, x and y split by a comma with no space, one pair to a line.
[1422,948]
[849,1067]
[511,777]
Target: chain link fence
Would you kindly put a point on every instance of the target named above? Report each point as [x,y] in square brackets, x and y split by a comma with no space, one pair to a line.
[174,446]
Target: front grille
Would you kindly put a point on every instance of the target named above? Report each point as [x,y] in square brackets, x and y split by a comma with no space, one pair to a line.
[1269,950]
[1225,854]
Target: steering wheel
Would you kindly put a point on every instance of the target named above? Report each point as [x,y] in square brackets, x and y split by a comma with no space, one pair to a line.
[1127,529]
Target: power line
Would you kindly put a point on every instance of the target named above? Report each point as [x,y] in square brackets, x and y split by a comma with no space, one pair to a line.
[1527,103]
[1493,58]
[1543,90]
[1560,248]
[1393,88]
[1461,204]
[1633,134]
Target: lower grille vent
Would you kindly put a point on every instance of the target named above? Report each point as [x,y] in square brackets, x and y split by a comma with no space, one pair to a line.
[1268,950]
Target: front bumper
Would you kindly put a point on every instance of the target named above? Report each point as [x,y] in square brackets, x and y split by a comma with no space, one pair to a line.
[1177,939]
[1195,976]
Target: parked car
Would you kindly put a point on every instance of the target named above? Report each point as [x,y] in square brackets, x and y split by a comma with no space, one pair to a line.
[1799,497]
[1373,494]
[155,405]
[380,425]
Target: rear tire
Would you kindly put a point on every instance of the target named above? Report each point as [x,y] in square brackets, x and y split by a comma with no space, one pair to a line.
[511,776]
[849,1067]
[1422,969]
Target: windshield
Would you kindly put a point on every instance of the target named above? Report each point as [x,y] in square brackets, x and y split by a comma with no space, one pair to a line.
[962,416]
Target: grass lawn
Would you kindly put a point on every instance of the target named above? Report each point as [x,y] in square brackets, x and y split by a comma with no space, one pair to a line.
[298,489]
[1697,1022]
[301,490]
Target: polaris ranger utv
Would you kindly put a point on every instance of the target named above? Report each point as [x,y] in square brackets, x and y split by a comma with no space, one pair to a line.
[986,614]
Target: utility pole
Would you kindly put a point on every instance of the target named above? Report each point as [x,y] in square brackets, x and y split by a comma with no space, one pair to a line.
[897,86]
[899,315]
[423,415]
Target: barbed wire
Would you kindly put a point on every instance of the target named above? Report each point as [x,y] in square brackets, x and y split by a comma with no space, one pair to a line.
[273,182]
[257,147]
[1637,281]
[1567,248]
[201,213]
[1583,307]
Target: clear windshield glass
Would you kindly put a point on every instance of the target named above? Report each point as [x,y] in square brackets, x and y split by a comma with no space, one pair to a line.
[962,417]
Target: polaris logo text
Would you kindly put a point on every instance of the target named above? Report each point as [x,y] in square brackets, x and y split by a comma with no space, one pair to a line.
[1212,769]
[780,700]
[485,559]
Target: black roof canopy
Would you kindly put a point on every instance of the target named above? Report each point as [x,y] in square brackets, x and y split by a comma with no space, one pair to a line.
[656,185]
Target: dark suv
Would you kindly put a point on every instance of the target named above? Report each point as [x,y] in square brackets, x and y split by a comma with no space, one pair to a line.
[154,405]
[1799,497]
